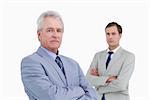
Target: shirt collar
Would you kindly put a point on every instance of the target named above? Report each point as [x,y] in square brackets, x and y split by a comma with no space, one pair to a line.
[114,51]
[50,54]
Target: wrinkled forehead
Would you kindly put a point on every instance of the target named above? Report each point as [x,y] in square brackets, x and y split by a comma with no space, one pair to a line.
[52,22]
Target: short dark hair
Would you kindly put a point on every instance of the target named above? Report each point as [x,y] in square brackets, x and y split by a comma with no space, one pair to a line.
[115,24]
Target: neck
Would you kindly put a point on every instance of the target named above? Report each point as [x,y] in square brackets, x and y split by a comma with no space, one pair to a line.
[54,51]
[113,47]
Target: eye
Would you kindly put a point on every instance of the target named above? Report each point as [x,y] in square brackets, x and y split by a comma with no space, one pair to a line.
[107,33]
[60,30]
[50,30]
[113,33]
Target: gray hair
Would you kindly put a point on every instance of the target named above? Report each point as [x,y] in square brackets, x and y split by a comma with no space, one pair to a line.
[48,14]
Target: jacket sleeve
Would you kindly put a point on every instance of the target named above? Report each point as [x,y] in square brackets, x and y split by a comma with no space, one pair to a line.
[121,83]
[90,93]
[96,81]
[39,85]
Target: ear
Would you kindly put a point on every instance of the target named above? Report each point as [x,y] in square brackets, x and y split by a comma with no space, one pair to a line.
[120,35]
[38,34]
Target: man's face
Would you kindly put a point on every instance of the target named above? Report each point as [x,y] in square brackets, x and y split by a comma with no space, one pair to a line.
[50,36]
[112,37]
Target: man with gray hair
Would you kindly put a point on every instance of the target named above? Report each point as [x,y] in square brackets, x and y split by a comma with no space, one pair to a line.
[47,75]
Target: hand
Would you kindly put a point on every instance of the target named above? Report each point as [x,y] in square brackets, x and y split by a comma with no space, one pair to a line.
[111,78]
[94,72]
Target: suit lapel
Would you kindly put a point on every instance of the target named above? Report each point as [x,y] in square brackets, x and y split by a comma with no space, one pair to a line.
[66,69]
[115,58]
[103,60]
[54,68]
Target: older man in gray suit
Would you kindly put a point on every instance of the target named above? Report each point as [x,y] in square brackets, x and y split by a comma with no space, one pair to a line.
[46,74]
[111,69]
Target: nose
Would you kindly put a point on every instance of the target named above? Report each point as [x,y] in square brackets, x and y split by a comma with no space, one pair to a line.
[110,36]
[55,33]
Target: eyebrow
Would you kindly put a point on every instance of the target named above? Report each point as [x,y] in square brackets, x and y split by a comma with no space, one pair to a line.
[53,28]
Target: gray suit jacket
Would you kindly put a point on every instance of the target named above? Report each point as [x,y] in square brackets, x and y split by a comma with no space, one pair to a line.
[44,80]
[121,65]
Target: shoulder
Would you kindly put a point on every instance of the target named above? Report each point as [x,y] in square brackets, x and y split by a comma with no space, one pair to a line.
[31,58]
[31,62]
[68,59]
[100,53]
[127,54]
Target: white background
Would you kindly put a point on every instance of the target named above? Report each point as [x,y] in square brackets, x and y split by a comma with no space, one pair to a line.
[84,36]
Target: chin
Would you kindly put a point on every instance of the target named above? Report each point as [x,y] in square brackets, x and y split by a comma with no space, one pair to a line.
[111,44]
[56,47]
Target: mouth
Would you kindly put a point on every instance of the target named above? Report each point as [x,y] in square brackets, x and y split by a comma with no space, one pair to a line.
[110,41]
[54,41]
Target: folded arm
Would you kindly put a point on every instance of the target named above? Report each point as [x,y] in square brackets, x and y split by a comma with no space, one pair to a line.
[90,93]
[95,77]
[122,80]
[41,87]
[98,80]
